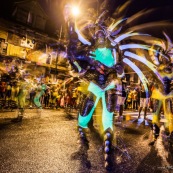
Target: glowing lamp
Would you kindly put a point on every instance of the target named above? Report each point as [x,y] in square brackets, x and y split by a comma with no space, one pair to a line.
[75,11]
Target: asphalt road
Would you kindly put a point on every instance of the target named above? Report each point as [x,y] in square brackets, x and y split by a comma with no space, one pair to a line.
[47,143]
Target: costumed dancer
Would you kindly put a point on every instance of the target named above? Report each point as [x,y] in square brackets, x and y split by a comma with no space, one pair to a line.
[40,90]
[163,101]
[163,95]
[95,60]
[96,66]
[22,93]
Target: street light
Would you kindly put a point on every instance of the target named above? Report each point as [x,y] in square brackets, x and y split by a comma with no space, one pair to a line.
[75,11]
[70,11]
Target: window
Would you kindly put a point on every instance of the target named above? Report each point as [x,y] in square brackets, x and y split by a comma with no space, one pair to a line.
[40,23]
[22,15]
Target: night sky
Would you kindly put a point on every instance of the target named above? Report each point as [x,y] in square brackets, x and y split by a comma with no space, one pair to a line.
[136,5]
[55,15]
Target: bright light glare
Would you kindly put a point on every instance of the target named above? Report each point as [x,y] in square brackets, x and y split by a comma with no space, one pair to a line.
[75,11]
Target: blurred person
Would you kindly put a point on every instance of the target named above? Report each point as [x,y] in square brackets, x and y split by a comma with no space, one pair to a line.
[129,99]
[32,92]
[144,101]
[15,91]
[47,98]
[8,91]
[58,99]
[74,98]
[31,97]
[23,91]
[54,95]
[3,90]
[121,98]
[62,100]
[67,99]
[135,99]
[40,90]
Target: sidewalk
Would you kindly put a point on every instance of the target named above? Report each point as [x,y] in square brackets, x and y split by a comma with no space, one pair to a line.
[29,113]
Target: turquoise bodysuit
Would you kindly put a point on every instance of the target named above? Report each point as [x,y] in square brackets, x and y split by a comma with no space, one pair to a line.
[104,56]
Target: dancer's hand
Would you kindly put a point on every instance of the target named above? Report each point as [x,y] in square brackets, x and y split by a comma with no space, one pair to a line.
[119,69]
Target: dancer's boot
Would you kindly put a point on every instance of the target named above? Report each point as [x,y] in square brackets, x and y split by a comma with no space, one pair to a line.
[82,137]
[108,137]
[156,131]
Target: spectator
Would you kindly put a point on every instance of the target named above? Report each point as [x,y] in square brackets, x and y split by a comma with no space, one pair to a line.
[8,91]
[2,90]
[62,101]
[121,98]
[129,99]
[144,100]
[74,98]
[46,98]
[135,99]
[15,91]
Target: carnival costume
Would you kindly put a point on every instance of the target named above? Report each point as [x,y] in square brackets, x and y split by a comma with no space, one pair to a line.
[103,52]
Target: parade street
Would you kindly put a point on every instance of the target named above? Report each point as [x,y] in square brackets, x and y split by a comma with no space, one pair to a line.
[46,142]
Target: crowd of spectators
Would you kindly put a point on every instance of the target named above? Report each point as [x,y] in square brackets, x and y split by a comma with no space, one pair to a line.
[55,96]
[63,96]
